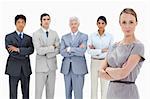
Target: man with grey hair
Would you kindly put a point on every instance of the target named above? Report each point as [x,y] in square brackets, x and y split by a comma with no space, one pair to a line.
[74,67]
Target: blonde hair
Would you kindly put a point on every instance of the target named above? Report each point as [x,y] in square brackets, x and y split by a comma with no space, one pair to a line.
[129,11]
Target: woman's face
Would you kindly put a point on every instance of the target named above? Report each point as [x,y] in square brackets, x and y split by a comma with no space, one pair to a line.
[101,25]
[128,24]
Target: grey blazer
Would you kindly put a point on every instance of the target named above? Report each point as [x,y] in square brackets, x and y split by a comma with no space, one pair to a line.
[76,55]
[45,50]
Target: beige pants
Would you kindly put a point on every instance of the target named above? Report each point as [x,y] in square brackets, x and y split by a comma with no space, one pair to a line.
[46,79]
[94,81]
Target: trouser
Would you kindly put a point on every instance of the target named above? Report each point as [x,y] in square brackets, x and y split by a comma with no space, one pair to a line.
[95,64]
[47,79]
[13,85]
[74,82]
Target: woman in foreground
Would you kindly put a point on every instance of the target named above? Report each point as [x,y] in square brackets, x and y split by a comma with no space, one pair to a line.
[124,60]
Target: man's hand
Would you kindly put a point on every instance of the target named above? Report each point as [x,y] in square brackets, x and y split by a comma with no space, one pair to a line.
[12,48]
[91,47]
[68,49]
[54,46]
[81,46]
[104,50]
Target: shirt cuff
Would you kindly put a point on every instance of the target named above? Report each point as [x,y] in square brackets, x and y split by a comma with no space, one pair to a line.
[18,50]
[68,49]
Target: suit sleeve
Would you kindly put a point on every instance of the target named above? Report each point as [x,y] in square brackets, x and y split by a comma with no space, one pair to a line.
[9,42]
[77,51]
[24,51]
[41,50]
[63,51]
[57,48]
[27,50]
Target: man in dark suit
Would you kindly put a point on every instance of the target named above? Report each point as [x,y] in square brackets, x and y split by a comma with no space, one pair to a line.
[20,47]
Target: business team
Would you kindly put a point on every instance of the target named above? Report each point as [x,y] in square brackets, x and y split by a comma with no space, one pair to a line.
[72,47]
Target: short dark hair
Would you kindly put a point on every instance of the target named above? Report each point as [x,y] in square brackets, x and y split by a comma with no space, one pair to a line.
[20,16]
[102,18]
[43,15]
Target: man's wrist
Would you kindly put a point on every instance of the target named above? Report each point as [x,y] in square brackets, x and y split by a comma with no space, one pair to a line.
[68,49]
[18,50]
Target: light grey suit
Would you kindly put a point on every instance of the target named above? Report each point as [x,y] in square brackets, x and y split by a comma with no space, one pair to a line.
[74,65]
[46,64]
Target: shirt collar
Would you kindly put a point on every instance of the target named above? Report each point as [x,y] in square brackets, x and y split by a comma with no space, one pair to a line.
[19,32]
[104,34]
[74,33]
[44,29]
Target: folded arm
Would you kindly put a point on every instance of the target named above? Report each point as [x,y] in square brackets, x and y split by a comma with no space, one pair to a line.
[56,48]
[27,50]
[81,49]
[102,73]
[41,50]
[63,49]
[120,73]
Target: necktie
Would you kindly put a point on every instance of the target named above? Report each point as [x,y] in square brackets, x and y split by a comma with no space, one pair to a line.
[73,36]
[20,41]
[20,36]
[46,33]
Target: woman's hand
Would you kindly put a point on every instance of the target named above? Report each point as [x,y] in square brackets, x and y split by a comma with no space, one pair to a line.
[103,74]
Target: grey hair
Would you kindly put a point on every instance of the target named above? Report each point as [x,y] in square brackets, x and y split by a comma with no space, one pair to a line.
[74,18]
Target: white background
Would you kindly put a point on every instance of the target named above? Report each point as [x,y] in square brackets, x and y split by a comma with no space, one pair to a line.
[60,11]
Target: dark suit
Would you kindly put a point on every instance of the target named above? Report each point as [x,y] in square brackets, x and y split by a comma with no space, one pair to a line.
[18,63]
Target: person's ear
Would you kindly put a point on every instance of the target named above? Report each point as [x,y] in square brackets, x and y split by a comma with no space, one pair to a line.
[78,24]
[96,23]
[119,22]
[136,23]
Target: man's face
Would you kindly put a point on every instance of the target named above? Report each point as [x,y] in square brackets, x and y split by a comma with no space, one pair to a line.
[74,26]
[20,24]
[45,22]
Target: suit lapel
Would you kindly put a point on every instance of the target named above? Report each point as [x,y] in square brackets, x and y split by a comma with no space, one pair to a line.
[24,39]
[18,39]
[76,38]
[50,37]
[70,39]
[43,36]
[16,36]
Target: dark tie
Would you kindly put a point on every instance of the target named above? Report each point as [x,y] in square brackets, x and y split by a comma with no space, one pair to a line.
[47,33]
[20,41]
[20,36]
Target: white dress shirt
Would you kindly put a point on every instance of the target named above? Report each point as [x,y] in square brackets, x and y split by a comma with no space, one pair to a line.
[99,43]
[19,33]
[45,30]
